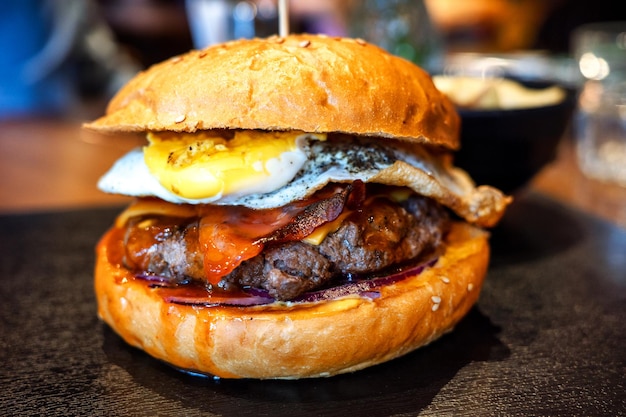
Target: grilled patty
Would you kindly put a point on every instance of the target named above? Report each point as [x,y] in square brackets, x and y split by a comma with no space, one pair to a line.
[379,235]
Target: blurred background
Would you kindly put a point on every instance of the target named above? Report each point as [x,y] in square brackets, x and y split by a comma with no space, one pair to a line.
[69,56]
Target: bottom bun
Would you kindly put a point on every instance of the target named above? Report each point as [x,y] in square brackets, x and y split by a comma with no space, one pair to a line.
[295,340]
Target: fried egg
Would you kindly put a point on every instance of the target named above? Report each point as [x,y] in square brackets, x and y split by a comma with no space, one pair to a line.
[294,167]
[250,169]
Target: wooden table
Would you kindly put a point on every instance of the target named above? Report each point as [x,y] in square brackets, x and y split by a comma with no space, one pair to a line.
[48,164]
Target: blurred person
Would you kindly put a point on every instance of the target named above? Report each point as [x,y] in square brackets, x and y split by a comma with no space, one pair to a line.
[57,55]
[34,50]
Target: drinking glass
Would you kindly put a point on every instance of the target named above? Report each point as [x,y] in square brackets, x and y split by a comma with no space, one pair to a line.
[600,118]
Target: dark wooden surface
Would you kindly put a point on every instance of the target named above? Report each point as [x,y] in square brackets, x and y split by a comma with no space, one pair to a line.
[547,337]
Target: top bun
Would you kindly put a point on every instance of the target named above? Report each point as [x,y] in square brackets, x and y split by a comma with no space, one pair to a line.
[311,83]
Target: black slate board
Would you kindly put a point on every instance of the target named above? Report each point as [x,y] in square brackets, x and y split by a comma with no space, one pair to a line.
[548,336]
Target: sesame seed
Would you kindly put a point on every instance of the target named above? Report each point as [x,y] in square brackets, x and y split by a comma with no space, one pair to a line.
[280,39]
[180,118]
[202,54]
[470,286]
[304,43]
[360,41]
[445,279]
[435,299]
[176,59]
[435,307]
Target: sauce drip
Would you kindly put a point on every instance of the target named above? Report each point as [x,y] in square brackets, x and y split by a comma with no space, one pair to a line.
[229,236]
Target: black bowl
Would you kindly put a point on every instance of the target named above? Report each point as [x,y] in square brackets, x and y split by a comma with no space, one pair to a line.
[507,148]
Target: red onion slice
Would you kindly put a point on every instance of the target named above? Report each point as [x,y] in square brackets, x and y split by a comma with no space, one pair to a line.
[365,287]
[213,300]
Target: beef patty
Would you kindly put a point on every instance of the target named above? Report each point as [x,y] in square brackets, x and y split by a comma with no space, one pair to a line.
[379,235]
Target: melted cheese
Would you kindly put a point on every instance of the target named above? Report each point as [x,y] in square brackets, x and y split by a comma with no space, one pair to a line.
[152,207]
[320,233]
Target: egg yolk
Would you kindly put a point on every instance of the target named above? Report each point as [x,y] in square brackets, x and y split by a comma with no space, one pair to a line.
[206,164]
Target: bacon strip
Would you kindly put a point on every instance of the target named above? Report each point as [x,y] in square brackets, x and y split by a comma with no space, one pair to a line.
[317,214]
[231,235]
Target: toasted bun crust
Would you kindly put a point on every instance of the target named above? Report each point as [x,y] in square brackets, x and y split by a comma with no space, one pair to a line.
[301,340]
[311,83]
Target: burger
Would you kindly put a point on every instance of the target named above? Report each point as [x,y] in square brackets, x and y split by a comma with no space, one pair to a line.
[297,210]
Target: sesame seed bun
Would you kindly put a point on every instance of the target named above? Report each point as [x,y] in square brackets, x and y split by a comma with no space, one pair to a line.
[334,85]
[313,84]
[290,341]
